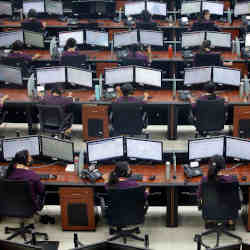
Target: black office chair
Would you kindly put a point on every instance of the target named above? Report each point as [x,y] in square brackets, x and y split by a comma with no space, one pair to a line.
[244,128]
[133,61]
[78,61]
[210,116]
[45,245]
[16,201]
[212,59]
[125,207]
[220,203]
[53,119]
[128,119]
[200,26]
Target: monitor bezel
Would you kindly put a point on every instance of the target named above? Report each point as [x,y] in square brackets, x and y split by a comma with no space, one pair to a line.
[133,3]
[226,68]
[189,2]
[53,14]
[11,6]
[165,3]
[191,34]
[43,84]
[147,69]
[219,32]
[241,3]
[96,45]
[72,31]
[123,32]
[32,45]
[215,2]
[190,69]
[153,31]
[26,1]
[20,69]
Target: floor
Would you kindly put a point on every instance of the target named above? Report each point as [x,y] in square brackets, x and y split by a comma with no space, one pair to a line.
[161,237]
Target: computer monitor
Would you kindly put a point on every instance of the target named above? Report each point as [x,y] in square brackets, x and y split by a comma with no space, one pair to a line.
[197,75]
[227,76]
[190,7]
[157,8]
[50,75]
[144,149]
[56,148]
[205,148]
[54,7]
[219,39]
[148,76]
[37,5]
[119,75]
[11,74]
[6,8]
[241,8]
[8,38]
[247,40]
[97,38]
[105,149]
[149,37]
[238,148]
[10,245]
[34,39]
[79,76]
[134,8]
[215,8]
[13,145]
[65,35]
[192,39]
[125,38]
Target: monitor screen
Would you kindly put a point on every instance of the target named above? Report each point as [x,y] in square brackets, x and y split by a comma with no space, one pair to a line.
[134,8]
[241,8]
[219,39]
[10,245]
[97,38]
[55,148]
[205,148]
[197,75]
[226,76]
[105,149]
[37,5]
[190,7]
[50,75]
[125,38]
[148,76]
[79,76]
[215,8]
[54,7]
[11,74]
[34,39]
[64,36]
[247,40]
[5,8]
[119,75]
[238,148]
[192,39]
[13,145]
[8,38]
[149,37]
[157,8]
[144,149]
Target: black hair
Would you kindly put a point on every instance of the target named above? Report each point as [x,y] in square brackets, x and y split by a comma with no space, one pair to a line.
[205,12]
[121,170]
[56,91]
[127,89]
[71,43]
[17,45]
[216,163]
[21,157]
[206,44]
[210,88]
[32,13]
[146,16]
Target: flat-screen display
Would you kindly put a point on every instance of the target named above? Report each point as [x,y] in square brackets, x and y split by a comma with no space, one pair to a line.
[97,38]
[205,148]
[134,8]
[54,7]
[192,39]
[215,8]
[11,74]
[105,149]
[34,39]
[79,76]
[125,38]
[8,38]
[119,75]
[149,37]
[226,76]
[50,75]
[5,8]
[157,8]
[76,34]
[241,8]
[37,5]
[148,76]
[247,40]
[190,7]
[219,39]
[144,149]
[197,75]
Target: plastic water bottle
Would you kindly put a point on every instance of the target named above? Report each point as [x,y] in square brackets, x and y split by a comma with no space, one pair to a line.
[167,170]
[97,92]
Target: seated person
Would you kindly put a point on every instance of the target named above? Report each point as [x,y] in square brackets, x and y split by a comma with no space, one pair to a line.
[204,23]
[70,48]
[19,170]
[32,23]
[216,164]
[127,91]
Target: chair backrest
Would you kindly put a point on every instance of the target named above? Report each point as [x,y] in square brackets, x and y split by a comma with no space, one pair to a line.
[126,206]
[133,61]
[220,200]
[16,199]
[210,115]
[244,128]
[207,60]
[78,61]
[50,116]
[127,118]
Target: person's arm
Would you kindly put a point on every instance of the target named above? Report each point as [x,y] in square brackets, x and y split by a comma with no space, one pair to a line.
[149,51]
[36,56]
[3,99]
[146,96]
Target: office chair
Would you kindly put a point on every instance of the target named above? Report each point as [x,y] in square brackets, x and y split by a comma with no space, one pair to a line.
[220,203]
[244,128]
[125,207]
[45,245]
[16,201]
[128,119]
[78,61]
[133,61]
[200,26]
[210,116]
[53,119]
[212,59]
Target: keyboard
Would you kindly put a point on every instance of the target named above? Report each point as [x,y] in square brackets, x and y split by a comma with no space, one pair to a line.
[136,177]
[44,176]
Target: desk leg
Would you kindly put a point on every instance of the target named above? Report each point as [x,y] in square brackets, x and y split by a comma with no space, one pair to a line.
[172,207]
[248,212]
[172,121]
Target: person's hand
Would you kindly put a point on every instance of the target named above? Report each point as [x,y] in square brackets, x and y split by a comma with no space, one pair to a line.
[36,56]
[146,95]
[44,24]
[105,177]
[226,98]
[147,190]
[149,49]
[40,93]
[2,100]
[70,94]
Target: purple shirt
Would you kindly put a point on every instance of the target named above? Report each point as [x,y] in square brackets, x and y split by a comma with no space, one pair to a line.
[37,188]
[138,55]
[70,53]
[20,56]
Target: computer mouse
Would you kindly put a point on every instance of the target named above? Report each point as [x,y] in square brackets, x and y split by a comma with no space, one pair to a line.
[152,178]
[244,178]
